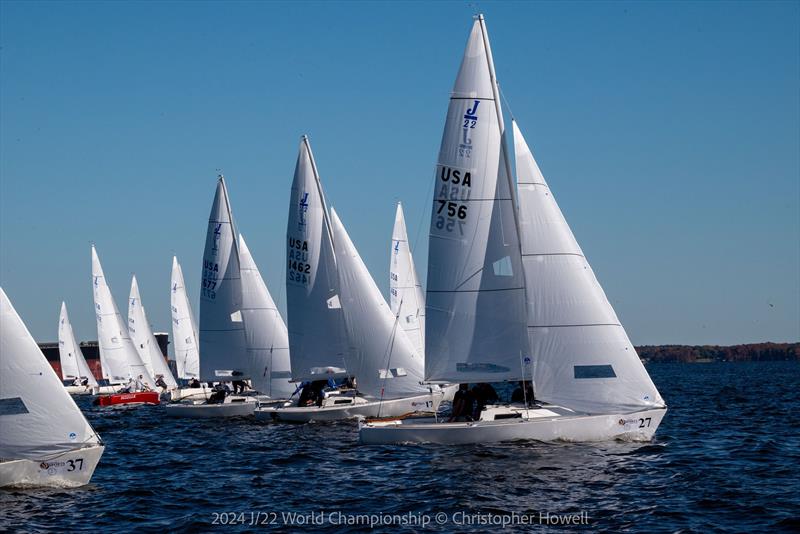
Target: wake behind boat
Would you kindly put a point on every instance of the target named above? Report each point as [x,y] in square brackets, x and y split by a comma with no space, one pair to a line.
[512,298]
[45,439]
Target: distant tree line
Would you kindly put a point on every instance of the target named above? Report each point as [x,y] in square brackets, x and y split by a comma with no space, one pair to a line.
[754,352]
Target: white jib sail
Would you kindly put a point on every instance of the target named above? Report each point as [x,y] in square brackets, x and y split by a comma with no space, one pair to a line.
[184,329]
[73,364]
[475,299]
[118,357]
[317,338]
[38,418]
[222,340]
[144,340]
[383,359]
[406,298]
[582,357]
[265,331]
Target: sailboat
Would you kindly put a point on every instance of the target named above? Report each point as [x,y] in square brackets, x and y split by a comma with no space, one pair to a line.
[118,357]
[184,334]
[144,340]
[406,297]
[266,335]
[327,346]
[73,364]
[222,335]
[511,297]
[317,336]
[44,438]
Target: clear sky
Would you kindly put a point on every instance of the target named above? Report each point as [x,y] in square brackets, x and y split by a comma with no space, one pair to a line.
[669,133]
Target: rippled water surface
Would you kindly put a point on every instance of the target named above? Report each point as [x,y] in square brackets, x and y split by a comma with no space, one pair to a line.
[725,459]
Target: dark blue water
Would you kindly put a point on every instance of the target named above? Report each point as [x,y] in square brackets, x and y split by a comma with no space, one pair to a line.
[725,459]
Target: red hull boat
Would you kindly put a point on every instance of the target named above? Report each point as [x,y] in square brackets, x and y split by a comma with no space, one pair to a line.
[140,397]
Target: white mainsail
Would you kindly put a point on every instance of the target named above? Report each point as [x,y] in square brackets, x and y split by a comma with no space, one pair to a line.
[475,300]
[144,340]
[265,331]
[317,336]
[222,340]
[39,419]
[73,364]
[118,357]
[184,329]
[406,298]
[582,357]
[383,359]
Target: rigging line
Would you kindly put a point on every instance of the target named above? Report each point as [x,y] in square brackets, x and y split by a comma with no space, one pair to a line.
[389,358]
[505,101]
[428,194]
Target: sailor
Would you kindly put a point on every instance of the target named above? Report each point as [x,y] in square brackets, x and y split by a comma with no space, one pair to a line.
[462,404]
[140,384]
[194,383]
[130,387]
[160,382]
[483,394]
[523,392]
[239,386]
[77,381]
[85,382]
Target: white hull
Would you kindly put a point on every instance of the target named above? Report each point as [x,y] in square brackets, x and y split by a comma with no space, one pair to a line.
[88,390]
[68,470]
[79,390]
[359,407]
[232,407]
[549,423]
[191,394]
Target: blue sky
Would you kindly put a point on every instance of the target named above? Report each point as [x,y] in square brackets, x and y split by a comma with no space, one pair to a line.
[669,133]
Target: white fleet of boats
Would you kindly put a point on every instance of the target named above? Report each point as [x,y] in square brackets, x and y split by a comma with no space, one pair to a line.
[510,298]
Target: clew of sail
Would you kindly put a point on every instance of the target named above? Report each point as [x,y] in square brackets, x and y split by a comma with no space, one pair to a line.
[475,299]
[582,357]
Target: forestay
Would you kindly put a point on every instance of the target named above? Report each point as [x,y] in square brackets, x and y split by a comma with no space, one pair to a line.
[144,340]
[265,331]
[73,364]
[383,359]
[405,292]
[184,329]
[316,324]
[118,356]
[222,340]
[38,418]
[582,357]
[475,300]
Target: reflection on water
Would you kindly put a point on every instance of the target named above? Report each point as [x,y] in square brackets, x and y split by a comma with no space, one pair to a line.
[725,458]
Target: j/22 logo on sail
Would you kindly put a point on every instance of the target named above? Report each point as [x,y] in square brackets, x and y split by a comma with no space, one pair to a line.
[470,120]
